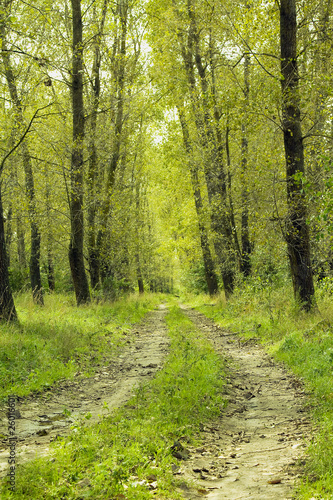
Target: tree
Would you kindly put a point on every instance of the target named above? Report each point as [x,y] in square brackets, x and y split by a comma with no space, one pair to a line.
[35,276]
[297,230]
[7,306]
[76,258]
[210,275]
[93,171]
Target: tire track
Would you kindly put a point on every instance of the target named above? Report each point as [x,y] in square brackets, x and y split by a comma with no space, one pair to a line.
[40,419]
[256,449]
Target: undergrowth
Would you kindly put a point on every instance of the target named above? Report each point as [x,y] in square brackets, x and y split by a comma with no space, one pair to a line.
[56,341]
[304,343]
[129,453]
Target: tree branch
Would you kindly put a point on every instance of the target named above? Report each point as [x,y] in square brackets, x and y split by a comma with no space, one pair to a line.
[2,164]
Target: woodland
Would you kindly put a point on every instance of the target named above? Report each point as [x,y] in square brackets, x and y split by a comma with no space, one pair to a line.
[157,152]
[164,145]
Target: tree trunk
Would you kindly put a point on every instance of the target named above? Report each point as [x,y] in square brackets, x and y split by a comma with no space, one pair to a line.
[210,275]
[76,258]
[9,232]
[35,277]
[211,142]
[297,230]
[231,204]
[245,235]
[93,250]
[50,265]
[120,50]
[21,254]
[139,274]
[7,307]
[138,231]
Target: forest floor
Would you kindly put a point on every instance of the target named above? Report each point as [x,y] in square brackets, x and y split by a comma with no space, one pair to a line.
[254,449]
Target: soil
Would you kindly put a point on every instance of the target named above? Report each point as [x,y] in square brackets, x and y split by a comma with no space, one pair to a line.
[40,419]
[254,450]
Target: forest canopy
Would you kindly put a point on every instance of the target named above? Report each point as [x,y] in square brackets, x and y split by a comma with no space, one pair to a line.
[164,145]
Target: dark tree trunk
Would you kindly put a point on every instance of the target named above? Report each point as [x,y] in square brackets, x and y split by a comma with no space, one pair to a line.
[35,277]
[139,276]
[210,275]
[76,258]
[211,142]
[245,234]
[7,307]
[21,254]
[297,230]
[93,250]
[9,232]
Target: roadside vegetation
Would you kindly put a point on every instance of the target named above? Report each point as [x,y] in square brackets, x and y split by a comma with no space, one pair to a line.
[263,308]
[56,341]
[130,453]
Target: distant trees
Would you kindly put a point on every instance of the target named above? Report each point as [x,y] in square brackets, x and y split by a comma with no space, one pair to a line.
[177,137]
[202,54]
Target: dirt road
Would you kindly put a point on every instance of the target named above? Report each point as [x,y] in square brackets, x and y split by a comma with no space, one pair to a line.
[256,448]
[252,451]
[41,418]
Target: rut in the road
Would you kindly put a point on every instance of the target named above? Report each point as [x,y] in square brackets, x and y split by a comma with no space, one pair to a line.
[40,419]
[254,450]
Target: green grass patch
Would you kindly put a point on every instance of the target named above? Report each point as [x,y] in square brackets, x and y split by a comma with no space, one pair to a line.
[130,448]
[53,342]
[304,343]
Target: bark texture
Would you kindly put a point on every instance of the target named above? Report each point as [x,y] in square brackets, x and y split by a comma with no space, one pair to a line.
[297,230]
[7,307]
[76,258]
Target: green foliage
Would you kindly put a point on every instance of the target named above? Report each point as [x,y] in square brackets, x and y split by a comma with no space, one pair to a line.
[117,456]
[195,280]
[19,279]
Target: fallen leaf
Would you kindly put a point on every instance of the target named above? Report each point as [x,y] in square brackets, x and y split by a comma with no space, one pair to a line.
[274,481]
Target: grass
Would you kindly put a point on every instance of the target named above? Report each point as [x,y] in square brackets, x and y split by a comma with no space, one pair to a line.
[130,450]
[304,343]
[58,340]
